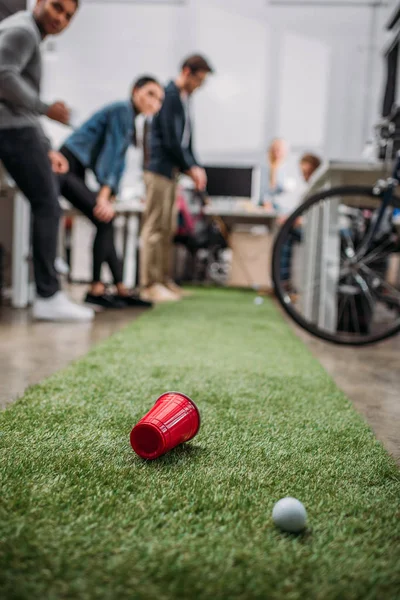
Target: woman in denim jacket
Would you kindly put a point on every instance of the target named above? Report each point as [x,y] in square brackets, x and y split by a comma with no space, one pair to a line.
[100,145]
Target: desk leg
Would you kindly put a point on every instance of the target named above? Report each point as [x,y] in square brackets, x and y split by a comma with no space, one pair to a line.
[119,234]
[130,263]
[21,252]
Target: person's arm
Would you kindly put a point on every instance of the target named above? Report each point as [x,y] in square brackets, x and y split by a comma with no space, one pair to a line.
[196,172]
[170,123]
[16,49]
[111,161]
[190,152]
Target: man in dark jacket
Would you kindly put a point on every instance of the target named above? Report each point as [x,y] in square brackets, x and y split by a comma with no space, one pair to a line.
[171,154]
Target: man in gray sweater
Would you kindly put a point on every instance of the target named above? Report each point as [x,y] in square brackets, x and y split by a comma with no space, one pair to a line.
[24,149]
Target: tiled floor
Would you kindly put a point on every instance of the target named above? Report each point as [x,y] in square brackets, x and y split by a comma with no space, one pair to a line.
[31,351]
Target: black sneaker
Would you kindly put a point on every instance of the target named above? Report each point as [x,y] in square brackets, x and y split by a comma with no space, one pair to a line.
[105,301]
[133,300]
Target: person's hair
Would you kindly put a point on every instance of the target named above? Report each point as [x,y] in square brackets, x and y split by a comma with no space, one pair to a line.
[144,80]
[76,2]
[312,160]
[197,63]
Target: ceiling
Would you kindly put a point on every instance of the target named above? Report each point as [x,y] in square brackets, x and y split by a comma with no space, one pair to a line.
[329,3]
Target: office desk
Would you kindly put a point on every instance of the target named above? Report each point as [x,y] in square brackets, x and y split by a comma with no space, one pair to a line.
[127,229]
[336,173]
[127,225]
[232,217]
[251,244]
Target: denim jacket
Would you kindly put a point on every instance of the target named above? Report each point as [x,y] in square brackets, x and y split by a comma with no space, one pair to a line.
[100,144]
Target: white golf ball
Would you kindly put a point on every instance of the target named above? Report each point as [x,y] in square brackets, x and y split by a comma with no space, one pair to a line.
[258,300]
[290,515]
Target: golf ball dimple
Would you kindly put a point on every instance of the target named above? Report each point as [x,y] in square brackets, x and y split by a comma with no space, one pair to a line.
[258,300]
[290,515]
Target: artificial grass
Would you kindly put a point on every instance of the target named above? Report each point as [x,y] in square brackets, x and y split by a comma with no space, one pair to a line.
[82,517]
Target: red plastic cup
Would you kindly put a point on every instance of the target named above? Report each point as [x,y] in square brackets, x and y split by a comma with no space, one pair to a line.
[173,420]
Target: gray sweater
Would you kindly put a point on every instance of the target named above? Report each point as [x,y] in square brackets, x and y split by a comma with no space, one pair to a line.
[20,72]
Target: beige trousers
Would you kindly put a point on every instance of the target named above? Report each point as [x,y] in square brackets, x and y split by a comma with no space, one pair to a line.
[159,228]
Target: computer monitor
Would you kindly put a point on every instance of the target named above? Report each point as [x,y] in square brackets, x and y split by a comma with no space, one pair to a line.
[233,182]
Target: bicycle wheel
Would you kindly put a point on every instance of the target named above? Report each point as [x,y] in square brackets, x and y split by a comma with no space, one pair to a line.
[319,279]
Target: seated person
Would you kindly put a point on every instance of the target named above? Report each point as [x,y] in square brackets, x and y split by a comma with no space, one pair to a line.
[308,164]
[273,173]
[100,144]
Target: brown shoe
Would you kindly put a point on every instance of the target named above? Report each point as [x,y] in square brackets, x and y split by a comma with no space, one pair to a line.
[176,289]
[158,294]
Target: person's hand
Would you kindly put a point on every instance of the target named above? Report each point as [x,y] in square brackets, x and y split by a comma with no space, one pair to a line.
[281,220]
[268,206]
[104,210]
[298,222]
[59,112]
[199,177]
[59,163]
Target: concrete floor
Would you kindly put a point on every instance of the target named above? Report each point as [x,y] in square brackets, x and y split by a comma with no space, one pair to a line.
[30,352]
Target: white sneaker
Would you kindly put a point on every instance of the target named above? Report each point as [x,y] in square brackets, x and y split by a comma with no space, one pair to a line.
[60,308]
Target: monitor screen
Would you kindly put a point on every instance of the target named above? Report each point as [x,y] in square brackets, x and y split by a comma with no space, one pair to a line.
[237,182]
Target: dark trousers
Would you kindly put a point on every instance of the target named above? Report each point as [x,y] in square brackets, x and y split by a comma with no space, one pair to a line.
[287,254]
[25,158]
[74,189]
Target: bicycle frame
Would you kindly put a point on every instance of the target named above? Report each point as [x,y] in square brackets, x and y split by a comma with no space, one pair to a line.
[384,188]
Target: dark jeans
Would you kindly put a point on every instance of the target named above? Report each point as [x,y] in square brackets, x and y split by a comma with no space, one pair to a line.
[74,189]
[25,158]
[287,254]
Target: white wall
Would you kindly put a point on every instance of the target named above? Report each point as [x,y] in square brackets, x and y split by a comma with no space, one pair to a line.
[231,109]
[89,66]
[305,66]
[354,34]
[251,98]
[107,46]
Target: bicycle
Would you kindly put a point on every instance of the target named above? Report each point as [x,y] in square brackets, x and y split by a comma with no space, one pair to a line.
[333,260]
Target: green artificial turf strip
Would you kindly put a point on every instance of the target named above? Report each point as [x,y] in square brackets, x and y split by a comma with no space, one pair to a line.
[81,516]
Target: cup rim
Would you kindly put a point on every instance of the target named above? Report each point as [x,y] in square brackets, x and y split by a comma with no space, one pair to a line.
[152,455]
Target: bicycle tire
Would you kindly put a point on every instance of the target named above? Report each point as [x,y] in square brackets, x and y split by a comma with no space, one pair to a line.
[281,294]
